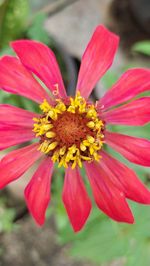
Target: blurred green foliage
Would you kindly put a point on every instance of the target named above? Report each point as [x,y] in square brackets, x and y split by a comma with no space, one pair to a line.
[6,217]
[142,47]
[13,18]
[104,240]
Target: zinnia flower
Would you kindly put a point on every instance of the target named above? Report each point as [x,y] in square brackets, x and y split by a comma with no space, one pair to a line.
[72,130]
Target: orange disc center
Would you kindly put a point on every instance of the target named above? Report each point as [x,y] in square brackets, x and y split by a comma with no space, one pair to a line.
[71,129]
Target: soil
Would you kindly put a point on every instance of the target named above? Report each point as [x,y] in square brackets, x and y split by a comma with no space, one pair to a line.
[31,245]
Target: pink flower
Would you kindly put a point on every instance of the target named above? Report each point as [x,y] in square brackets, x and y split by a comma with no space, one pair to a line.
[72,131]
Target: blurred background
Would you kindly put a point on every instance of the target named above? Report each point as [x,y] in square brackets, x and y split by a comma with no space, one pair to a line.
[66,27]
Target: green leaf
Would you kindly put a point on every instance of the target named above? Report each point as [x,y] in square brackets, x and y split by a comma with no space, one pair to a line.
[142,47]
[104,240]
[6,217]
[6,51]
[13,18]
[18,101]
[109,78]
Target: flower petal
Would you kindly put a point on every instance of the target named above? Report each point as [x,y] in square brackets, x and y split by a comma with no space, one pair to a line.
[15,78]
[13,135]
[96,59]
[14,164]
[12,115]
[107,196]
[131,83]
[136,150]
[37,192]
[125,179]
[39,59]
[136,113]
[76,199]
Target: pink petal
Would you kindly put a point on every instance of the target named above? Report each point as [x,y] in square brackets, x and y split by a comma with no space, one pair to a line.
[76,199]
[13,135]
[15,78]
[131,83]
[125,179]
[40,60]
[136,113]
[96,59]
[107,196]
[136,150]
[17,162]
[11,115]
[37,192]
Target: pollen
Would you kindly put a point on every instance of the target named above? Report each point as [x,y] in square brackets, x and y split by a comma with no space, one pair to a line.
[70,131]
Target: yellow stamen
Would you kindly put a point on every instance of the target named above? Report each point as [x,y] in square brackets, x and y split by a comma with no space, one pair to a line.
[90,139]
[45,107]
[50,134]
[91,124]
[62,150]
[82,147]
[51,146]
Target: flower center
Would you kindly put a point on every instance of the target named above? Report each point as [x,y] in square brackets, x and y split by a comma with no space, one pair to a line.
[70,131]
